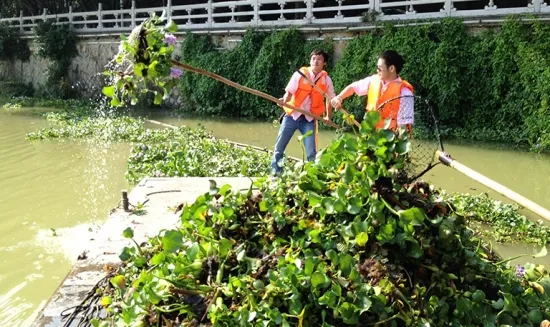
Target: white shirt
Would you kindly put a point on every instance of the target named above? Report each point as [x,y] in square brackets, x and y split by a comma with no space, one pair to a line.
[292,87]
[406,106]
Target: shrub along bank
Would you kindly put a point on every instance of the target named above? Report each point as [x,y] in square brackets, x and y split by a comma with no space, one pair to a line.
[492,86]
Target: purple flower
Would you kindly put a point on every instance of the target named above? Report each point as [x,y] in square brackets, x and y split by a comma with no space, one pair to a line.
[520,270]
[175,72]
[170,39]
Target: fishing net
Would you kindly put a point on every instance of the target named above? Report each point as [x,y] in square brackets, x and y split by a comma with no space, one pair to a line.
[416,112]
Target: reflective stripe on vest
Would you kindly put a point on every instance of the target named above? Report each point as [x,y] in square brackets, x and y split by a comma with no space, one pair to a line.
[305,89]
[375,97]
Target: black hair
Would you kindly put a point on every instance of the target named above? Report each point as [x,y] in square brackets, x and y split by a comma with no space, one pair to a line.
[318,52]
[391,57]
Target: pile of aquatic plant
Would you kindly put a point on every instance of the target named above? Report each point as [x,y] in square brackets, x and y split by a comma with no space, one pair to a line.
[188,152]
[334,242]
[505,222]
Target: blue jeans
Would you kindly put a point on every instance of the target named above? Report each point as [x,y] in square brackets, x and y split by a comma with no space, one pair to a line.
[286,131]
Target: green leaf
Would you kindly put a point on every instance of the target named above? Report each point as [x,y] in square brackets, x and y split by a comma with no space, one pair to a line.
[158,98]
[310,265]
[509,304]
[119,282]
[125,255]
[106,300]
[386,233]
[115,102]
[364,304]
[172,241]
[381,152]
[158,258]
[498,305]
[333,256]
[414,250]
[258,284]
[192,252]
[328,203]
[346,263]
[314,235]
[171,26]
[138,69]
[351,145]
[317,279]
[227,212]
[225,246]
[109,91]
[295,305]
[361,239]
[151,40]
[414,216]
[371,119]
[329,299]
[348,173]
[403,147]
[263,206]
[128,233]
[314,199]
[339,206]
[224,189]
[348,312]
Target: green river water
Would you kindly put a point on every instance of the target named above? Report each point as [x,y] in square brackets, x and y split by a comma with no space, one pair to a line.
[54,193]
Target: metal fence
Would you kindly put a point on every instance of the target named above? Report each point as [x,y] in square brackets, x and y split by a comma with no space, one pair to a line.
[242,14]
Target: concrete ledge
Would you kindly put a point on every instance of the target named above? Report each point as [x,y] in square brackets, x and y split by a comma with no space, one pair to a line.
[157,195]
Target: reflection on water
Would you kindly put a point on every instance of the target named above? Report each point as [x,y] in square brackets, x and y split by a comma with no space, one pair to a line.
[53,194]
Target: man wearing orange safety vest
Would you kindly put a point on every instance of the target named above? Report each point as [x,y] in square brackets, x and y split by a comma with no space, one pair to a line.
[300,94]
[381,87]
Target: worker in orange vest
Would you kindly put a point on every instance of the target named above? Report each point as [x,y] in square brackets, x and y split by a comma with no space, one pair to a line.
[381,87]
[301,94]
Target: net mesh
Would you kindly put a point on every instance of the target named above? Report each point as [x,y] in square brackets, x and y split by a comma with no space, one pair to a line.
[417,113]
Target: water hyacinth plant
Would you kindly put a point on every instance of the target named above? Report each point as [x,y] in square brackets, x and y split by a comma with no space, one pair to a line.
[337,242]
[143,63]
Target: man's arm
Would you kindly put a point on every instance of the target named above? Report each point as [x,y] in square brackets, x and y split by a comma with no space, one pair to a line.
[348,91]
[360,87]
[290,88]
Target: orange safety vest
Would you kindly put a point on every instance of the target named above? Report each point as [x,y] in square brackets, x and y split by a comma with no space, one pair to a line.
[305,89]
[390,109]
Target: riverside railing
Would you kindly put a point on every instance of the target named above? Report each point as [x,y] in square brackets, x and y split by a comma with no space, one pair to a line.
[230,15]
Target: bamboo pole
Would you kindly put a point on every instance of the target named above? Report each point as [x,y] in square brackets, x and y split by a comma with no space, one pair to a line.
[501,189]
[249,90]
[355,122]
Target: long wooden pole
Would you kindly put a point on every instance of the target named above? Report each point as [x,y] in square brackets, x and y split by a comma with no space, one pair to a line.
[521,200]
[355,122]
[249,90]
